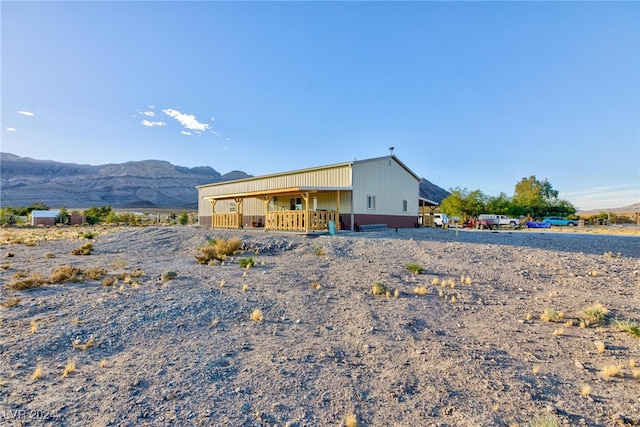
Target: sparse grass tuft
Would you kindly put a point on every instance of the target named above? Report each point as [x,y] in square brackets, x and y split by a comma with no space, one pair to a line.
[585,390]
[351,421]
[546,420]
[49,255]
[435,281]
[630,326]
[64,273]
[246,262]
[19,284]
[378,288]
[528,316]
[103,363]
[558,332]
[600,346]
[536,369]
[316,285]
[420,290]
[467,281]
[84,249]
[414,268]
[222,283]
[610,371]
[214,322]
[69,368]
[91,342]
[245,288]
[119,263]
[34,326]
[551,315]
[168,275]
[635,373]
[10,302]
[37,373]
[318,250]
[218,250]
[396,294]
[256,315]
[5,266]
[595,313]
[88,235]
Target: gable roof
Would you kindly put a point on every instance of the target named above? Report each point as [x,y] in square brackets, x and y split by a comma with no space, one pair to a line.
[315,168]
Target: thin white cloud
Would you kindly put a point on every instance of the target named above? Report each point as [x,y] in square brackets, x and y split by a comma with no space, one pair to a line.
[11,129]
[26,113]
[189,121]
[149,113]
[152,124]
[604,197]
[213,119]
[184,132]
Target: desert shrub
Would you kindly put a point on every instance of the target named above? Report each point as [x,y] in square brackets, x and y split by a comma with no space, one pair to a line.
[414,267]
[95,273]
[19,284]
[109,281]
[257,316]
[137,273]
[546,420]
[318,250]
[218,250]
[630,326]
[378,288]
[5,266]
[8,255]
[551,315]
[594,314]
[64,273]
[49,255]
[168,275]
[246,262]
[85,249]
[10,302]
[88,235]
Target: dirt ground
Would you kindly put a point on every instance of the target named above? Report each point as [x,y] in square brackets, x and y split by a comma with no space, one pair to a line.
[462,343]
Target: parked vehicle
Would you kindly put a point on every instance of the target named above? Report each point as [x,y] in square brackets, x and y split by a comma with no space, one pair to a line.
[481,224]
[496,221]
[558,220]
[440,220]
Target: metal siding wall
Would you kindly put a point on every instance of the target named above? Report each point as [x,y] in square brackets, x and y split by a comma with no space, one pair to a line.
[389,182]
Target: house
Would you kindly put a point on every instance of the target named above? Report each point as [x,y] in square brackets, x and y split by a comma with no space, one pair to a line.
[382,190]
[47,218]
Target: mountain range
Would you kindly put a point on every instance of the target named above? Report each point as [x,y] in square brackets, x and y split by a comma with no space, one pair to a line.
[140,184]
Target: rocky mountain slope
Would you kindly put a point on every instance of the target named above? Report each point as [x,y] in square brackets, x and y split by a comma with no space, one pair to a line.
[143,184]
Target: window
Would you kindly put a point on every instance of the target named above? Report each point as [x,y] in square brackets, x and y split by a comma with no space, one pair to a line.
[295,203]
[232,206]
[371,202]
[405,206]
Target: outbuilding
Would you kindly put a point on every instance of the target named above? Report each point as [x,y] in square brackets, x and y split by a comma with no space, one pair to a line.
[47,218]
[381,190]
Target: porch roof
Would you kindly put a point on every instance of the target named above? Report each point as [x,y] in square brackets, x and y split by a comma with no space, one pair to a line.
[275,192]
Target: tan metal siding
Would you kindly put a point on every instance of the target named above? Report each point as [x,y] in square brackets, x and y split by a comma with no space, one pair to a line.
[389,182]
[338,176]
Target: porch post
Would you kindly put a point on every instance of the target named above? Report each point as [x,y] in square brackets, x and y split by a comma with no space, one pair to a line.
[213,210]
[239,212]
[305,215]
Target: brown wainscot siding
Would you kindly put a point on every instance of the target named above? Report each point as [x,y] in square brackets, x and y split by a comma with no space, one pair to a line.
[392,221]
[204,220]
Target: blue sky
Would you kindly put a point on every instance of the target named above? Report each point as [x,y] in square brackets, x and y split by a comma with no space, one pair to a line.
[474,95]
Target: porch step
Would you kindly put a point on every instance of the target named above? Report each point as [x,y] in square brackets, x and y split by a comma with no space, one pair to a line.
[374,227]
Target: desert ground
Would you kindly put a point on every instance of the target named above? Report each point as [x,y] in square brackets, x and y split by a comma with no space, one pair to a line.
[508,328]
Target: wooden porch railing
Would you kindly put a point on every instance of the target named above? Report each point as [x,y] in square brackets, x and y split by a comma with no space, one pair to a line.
[300,220]
[226,220]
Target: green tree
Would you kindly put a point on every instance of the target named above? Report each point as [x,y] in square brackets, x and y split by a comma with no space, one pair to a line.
[184,218]
[463,203]
[501,205]
[63,216]
[538,198]
[95,215]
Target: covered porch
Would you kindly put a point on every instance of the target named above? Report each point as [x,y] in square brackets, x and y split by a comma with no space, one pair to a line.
[288,209]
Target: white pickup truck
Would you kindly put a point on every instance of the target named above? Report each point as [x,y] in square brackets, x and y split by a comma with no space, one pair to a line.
[497,221]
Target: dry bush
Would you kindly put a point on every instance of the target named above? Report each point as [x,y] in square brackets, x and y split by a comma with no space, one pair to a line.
[585,390]
[10,302]
[168,275]
[316,285]
[421,290]
[378,288]
[551,315]
[137,273]
[34,326]
[49,255]
[217,250]
[85,249]
[38,373]
[630,326]
[84,347]
[246,262]
[396,293]
[64,273]
[600,346]
[119,263]
[5,266]
[69,368]
[109,281]
[95,273]
[318,250]
[34,281]
[257,315]
[594,314]
[351,421]
[610,371]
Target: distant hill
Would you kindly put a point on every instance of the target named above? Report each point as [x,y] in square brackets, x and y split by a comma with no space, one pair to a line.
[133,185]
[432,192]
[143,184]
[631,209]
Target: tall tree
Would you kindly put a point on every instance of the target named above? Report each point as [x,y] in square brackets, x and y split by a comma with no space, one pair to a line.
[538,198]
